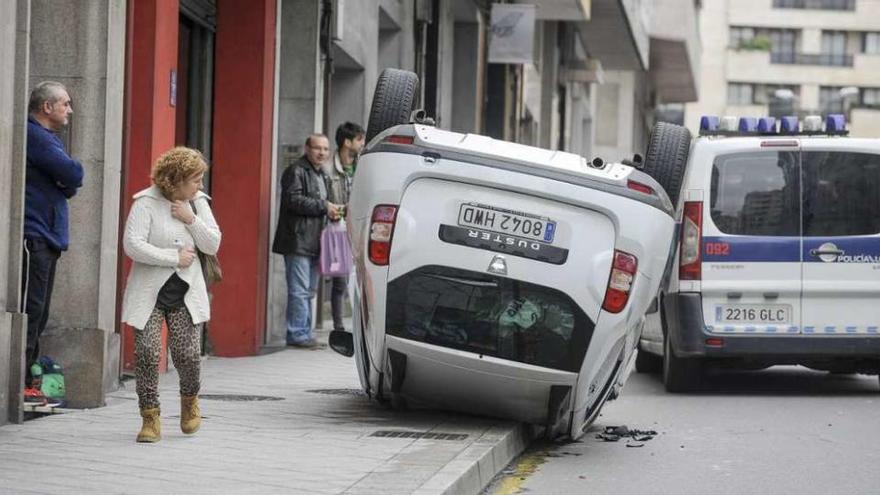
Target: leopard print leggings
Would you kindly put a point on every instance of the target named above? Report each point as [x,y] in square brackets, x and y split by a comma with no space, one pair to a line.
[185,338]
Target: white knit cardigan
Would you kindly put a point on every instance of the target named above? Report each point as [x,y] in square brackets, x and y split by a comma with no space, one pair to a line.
[151,240]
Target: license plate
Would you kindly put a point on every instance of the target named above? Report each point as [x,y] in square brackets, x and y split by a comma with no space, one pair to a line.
[753,313]
[514,223]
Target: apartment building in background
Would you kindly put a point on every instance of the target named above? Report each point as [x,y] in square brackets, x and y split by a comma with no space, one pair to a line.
[791,57]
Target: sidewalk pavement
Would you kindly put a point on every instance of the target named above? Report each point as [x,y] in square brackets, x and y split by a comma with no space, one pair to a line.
[313,432]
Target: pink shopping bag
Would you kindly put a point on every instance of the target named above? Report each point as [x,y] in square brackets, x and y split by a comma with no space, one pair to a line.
[335,250]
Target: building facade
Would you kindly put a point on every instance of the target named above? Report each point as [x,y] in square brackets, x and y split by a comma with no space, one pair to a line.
[245,82]
[791,57]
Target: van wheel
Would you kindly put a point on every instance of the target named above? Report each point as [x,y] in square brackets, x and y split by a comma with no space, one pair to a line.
[393,101]
[667,156]
[680,374]
[647,362]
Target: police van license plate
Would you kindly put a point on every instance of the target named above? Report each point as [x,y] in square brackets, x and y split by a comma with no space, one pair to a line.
[507,222]
[753,313]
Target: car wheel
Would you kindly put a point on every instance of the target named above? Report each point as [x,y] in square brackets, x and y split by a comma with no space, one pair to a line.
[393,101]
[647,362]
[680,374]
[667,157]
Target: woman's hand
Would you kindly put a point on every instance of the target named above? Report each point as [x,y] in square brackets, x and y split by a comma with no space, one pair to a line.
[181,211]
[185,257]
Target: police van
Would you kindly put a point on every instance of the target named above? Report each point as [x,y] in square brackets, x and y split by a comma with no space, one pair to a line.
[778,260]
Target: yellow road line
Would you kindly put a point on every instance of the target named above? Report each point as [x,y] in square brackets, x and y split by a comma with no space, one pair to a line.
[528,464]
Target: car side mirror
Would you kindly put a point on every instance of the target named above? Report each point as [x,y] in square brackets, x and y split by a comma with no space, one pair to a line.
[342,342]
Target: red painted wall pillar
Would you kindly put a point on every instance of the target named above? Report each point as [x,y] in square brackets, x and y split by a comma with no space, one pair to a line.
[150,118]
[241,171]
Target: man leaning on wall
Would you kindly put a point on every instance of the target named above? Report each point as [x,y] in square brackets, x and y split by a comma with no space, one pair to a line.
[52,177]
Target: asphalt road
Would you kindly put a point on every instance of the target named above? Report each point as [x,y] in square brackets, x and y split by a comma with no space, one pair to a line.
[777,431]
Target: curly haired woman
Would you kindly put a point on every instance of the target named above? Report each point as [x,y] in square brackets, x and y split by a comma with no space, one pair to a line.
[166,282]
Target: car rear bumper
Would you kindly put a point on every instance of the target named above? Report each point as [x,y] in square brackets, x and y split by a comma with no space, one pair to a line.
[686,327]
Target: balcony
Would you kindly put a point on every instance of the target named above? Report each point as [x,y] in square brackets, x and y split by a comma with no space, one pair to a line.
[561,10]
[754,67]
[674,51]
[617,33]
[826,59]
[815,4]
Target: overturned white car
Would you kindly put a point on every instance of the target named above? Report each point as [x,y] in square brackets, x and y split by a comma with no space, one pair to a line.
[496,278]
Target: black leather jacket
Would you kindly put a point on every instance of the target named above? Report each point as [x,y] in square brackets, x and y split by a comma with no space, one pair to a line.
[303,210]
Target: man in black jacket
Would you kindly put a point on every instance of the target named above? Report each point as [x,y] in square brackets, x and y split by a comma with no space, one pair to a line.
[304,210]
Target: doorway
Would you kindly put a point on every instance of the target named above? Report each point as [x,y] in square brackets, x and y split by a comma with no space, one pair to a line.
[194,95]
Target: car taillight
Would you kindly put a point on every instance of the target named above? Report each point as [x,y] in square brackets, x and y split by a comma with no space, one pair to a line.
[623,272]
[396,139]
[638,186]
[381,233]
[691,239]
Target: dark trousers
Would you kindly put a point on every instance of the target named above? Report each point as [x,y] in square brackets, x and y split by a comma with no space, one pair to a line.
[38,276]
[337,295]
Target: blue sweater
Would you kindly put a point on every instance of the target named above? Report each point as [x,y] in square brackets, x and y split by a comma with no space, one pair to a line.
[52,177]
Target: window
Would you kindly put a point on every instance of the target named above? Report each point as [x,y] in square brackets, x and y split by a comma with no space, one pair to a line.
[740,35]
[830,100]
[871,97]
[815,4]
[493,316]
[756,194]
[739,94]
[834,42]
[783,42]
[841,193]
[871,43]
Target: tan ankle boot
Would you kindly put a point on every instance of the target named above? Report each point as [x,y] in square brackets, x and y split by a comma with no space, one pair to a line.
[190,415]
[151,430]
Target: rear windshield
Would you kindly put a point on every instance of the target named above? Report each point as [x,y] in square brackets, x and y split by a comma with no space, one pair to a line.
[756,194]
[817,193]
[841,193]
[489,315]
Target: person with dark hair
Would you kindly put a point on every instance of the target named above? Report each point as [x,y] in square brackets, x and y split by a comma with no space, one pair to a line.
[349,144]
[304,210]
[52,177]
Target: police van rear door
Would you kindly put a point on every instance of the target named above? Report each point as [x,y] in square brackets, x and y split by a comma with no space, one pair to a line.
[841,244]
[751,258]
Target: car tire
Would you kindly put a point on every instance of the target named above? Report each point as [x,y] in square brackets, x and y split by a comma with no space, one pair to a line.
[680,374]
[393,101]
[667,156]
[647,362]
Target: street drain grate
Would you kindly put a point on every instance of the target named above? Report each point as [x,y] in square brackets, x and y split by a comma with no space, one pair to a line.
[419,435]
[337,391]
[238,397]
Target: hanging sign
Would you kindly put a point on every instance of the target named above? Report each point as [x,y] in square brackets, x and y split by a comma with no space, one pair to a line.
[512,35]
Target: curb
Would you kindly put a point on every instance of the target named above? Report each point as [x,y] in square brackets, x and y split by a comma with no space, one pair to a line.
[476,466]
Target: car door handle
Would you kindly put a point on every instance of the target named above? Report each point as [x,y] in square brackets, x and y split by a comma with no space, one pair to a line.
[818,252]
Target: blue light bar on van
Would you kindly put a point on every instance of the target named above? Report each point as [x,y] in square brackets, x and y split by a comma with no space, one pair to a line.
[767,125]
[835,123]
[748,124]
[708,123]
[789,125]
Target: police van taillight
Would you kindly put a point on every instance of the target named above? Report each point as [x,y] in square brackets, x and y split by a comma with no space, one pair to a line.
[690,259]
[381,233]
[623,273]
